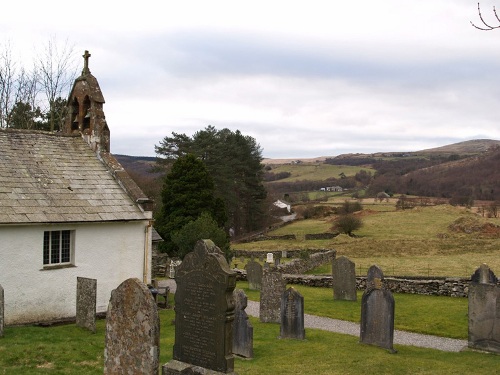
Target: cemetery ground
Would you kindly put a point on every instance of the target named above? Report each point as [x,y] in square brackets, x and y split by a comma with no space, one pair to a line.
[67,349]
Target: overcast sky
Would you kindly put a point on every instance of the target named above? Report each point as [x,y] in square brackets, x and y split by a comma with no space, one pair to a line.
[304,78]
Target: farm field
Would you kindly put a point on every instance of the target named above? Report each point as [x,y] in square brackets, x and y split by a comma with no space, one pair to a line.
[417,242]
[315,171]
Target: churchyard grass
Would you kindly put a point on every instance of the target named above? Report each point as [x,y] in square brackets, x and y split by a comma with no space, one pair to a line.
[432,315]
[67,349]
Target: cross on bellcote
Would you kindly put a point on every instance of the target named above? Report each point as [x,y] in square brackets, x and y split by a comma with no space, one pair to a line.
[86,56]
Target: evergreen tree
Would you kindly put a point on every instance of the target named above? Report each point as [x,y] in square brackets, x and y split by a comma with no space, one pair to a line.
[188,191]
[234,161]
[205,227]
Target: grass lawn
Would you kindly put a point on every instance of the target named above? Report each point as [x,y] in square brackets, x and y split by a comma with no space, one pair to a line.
[432,315]
[68,349]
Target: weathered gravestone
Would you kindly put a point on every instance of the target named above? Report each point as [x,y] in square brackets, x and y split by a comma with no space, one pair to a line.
[2,304]
[204,313]
[377,312]
[344,279]
[86,299]
[132,331]
[484,311]
[292,315]
[242,329]
[270,258]
[254,275]
[273,286]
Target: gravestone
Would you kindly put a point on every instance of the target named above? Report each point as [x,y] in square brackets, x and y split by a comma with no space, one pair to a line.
[292,315]
[242,329]
[484,311]
[254,275]
[377,312]
[2,307]
[273,286]
[132,331]
[270,258]
[204,313]
[86,300]
[284,254]
[344,279]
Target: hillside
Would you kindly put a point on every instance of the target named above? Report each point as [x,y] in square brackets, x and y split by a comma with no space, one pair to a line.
[466,169]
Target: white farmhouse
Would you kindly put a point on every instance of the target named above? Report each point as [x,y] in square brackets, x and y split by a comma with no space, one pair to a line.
[68,210]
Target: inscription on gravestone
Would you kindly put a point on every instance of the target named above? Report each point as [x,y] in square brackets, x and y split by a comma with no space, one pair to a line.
[86,299]
[292,315]
[273,286]
[344,279]
[254,275]
[377,312]
[132,331]
[242,329]
[484,311]
[204,312]
[2,304]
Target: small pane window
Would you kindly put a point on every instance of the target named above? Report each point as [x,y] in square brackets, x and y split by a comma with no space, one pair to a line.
[57,247]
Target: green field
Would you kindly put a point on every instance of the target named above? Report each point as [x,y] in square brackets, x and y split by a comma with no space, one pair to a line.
[315,171]
[415,242]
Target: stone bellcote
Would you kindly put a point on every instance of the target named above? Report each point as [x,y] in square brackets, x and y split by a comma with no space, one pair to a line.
[85,110]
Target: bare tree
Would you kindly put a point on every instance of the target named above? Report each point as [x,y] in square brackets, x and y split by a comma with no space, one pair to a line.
[7,81]
[486,26]
[57,71]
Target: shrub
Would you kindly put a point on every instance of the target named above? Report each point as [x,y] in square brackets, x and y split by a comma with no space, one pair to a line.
[347,224]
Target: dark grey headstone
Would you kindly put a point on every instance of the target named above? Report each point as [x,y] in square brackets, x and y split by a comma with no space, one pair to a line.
[292,315]
[242,329]
[254,275]
[273,286]
[204,312]
[484,311]
[374,277]
[344,279]
[86,300]
[132,331]
[484,275]
[2,308]
[377,313]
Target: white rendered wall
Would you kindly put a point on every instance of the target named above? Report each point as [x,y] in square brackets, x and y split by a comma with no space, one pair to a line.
[108,252]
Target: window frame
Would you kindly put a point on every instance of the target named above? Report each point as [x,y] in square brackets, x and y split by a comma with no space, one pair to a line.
[58,248]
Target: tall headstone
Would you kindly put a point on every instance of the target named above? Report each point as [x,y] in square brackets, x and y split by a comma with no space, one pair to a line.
[377,312]
[242,329]
[204,313]
[344,279]
[273,286]
[484,311]
[2,304]
[292,315]
[254,275]
[132,331]
[86,300]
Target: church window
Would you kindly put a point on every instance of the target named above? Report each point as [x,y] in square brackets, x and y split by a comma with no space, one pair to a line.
[58,247]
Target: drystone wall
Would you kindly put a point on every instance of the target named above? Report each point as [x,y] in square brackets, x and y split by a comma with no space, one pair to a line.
[453,287]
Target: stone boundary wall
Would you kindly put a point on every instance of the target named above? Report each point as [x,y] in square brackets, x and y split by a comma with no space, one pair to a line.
[276,253]
[300,266]
[452,287]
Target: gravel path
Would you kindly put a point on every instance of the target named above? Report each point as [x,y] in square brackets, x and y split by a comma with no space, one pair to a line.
[350,328]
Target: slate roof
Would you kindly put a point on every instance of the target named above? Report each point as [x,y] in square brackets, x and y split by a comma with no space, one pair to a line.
[46,177]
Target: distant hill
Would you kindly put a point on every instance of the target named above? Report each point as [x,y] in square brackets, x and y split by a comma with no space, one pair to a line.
[466,169]
[468,147]
[475,146]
